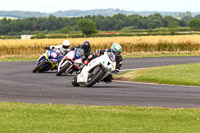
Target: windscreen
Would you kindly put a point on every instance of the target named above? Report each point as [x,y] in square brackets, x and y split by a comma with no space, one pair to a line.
[111,56]
[79,52]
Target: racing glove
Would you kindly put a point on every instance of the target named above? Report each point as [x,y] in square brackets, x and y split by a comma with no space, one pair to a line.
[116,71]
[47,48]
[97,53]
[86,62]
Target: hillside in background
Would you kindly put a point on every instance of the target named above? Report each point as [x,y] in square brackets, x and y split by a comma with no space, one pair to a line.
[77,13]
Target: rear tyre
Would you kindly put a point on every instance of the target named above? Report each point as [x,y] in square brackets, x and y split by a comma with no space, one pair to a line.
[97,77]
[39,66]
[63,69]
[74,82]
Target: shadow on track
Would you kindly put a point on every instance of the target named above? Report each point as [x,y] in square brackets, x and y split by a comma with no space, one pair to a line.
[98,87]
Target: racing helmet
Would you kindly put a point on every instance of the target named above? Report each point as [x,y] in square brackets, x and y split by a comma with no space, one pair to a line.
[66,44]
[86,46]
[116,49]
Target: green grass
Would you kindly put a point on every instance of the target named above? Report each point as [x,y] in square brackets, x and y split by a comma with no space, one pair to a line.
[159,55]
[19,117]
[187,74]
[125,55]
[18,59]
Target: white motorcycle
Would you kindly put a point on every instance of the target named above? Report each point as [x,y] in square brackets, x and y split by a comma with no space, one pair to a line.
[70,61]
[97,70]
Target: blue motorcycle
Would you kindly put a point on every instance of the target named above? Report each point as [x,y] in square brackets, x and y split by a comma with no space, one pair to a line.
[47,61]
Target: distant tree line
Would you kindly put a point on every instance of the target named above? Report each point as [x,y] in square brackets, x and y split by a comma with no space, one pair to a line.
[78,13]
[102,23]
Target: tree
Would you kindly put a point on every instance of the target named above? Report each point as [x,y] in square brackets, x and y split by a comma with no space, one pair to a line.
[150,27]
[87,26]
[2,29]
[156,20]
[195,24]
[187,19]
[197,16]
[66,30]
[173,25]
[186,14]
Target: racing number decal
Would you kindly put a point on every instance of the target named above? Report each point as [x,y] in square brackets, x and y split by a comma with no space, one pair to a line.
[54,54]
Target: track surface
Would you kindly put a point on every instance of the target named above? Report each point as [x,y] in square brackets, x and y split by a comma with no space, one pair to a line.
[19,84]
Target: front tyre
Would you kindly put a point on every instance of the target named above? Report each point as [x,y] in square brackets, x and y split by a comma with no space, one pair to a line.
[63,69]
[39,67]
[95,79]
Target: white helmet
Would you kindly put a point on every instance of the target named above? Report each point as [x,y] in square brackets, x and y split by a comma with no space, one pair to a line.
[66,44]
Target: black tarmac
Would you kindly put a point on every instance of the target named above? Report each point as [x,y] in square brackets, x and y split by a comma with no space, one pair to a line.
[19,84]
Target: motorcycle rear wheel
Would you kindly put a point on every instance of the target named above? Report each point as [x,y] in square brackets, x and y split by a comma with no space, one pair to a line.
[74,82]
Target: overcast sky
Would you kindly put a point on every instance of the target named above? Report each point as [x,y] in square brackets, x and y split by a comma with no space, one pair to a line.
[130,5]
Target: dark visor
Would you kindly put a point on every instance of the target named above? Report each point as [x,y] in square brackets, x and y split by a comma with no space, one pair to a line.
[65,47]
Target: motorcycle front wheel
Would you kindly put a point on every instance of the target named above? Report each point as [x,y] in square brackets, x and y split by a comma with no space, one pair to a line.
[97,76]
[39,67]
[63,69]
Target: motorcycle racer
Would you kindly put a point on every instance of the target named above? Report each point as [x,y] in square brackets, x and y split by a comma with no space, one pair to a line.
[61,49]
[86,47]
[116,49]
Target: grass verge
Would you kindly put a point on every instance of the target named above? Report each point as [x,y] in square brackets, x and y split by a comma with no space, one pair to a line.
[160,54]
[17,59]
[186,74]
[125,55]
[19,117]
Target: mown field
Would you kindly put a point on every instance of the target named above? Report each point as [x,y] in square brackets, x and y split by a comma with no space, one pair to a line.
[131,45]
[20,118]
[185,74]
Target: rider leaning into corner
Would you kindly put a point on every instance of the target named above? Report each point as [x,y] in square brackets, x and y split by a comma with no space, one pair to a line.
[86,47]
[116,49]
[87,52]
[62,49]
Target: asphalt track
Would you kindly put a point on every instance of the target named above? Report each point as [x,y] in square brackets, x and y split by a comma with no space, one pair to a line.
[19,84]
